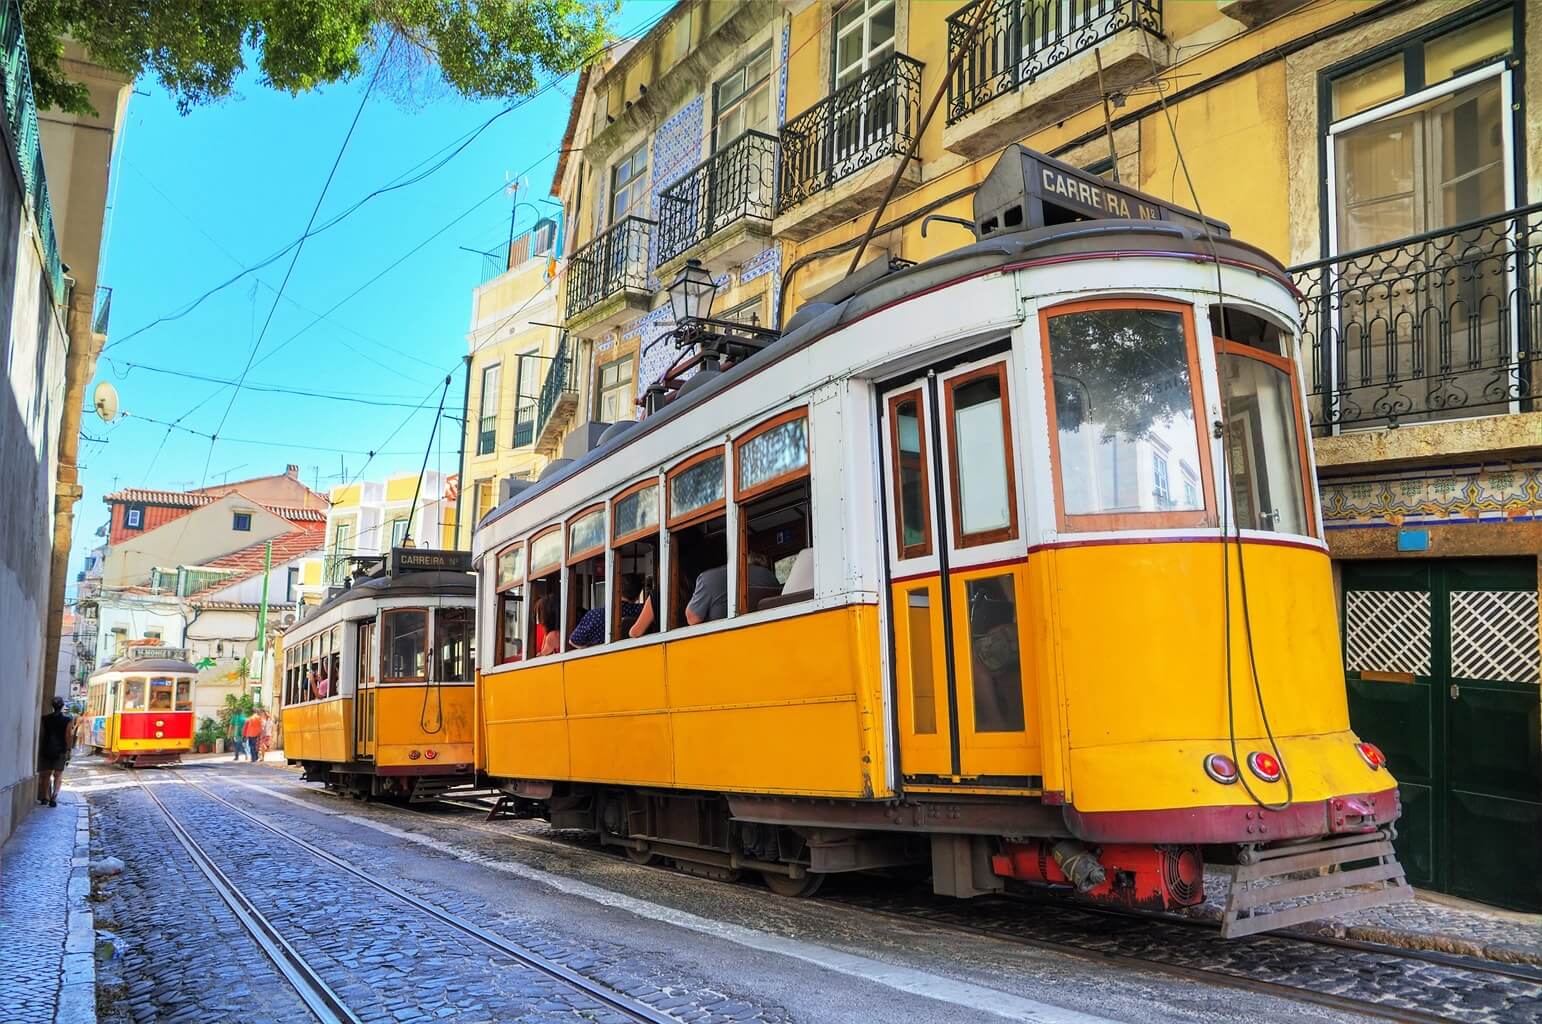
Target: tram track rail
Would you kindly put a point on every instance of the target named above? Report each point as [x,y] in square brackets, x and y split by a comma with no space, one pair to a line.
[1394,1010]
[319,997]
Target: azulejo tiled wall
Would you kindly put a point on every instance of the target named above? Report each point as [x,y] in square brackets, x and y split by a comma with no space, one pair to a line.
[1432,496]
[676,149]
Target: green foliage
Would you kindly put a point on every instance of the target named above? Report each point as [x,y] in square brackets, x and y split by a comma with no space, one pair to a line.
[233,704]
[491,48]
[208,731]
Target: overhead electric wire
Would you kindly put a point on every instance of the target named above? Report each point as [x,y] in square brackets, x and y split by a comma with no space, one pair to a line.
[170,427]
[380,399]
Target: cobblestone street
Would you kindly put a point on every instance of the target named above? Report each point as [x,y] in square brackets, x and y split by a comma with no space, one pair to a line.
[683,948]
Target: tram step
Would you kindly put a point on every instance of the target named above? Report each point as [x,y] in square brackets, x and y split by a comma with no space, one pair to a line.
[1273,878]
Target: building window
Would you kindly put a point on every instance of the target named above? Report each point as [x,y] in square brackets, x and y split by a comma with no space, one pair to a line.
[484,498]
[134,517]
[241,522]
[292,585]
[1161,486]
[487,435]
[864,36]
[746,312]
[398,532]
[628,181]
[615,397]
[340,538]
[741,100]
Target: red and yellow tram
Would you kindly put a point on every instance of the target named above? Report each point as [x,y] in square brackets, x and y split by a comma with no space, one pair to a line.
[1012,569]
[140,708]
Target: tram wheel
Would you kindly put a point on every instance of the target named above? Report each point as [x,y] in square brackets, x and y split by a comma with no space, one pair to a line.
[643,857]
[784,885]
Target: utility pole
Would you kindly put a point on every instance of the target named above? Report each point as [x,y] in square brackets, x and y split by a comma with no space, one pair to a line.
[262,612]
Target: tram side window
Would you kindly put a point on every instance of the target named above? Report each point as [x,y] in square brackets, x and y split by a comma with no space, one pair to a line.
[454,632]
[511,603]
[1124,394]
[184,695]
[403,644]
[907,441]
[586,580]
[134,694]
[776,525]
[160,693]
[635,535]
[335,663]
[698,542]
[546,593]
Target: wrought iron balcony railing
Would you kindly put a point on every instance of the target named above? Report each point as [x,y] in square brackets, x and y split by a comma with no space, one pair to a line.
[559,383]
[1019,40]
[1443,325]
[617,259]
[21,121]
[487,434]
[862,122]
[524,424]
[736,182]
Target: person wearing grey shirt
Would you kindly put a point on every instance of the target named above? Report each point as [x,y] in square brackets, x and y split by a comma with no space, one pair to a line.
[709,599]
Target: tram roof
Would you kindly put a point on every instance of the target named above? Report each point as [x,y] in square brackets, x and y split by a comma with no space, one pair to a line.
[414,584]
[146,665]
[878,285]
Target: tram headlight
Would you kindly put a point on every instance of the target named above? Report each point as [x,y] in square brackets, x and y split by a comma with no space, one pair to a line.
[1265,766]
[1371,754]
[1221,769]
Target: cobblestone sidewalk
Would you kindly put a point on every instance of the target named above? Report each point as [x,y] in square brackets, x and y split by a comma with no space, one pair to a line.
[47,933]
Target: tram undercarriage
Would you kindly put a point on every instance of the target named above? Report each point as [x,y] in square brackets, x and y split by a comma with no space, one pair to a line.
[972,848]
[363,780]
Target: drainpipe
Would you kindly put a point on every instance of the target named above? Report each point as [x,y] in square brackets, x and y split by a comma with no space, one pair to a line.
[79,362]
[460,474]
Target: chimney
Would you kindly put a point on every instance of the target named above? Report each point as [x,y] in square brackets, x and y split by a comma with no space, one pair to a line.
[292,471]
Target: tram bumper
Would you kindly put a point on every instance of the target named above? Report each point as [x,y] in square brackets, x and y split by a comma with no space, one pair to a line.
[1238,823]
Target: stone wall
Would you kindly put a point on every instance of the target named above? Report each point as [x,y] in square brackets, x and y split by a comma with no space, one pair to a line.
[32,350]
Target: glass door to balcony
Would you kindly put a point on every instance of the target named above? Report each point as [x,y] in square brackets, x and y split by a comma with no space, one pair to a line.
[1424,321]
[487,426]
[864,40]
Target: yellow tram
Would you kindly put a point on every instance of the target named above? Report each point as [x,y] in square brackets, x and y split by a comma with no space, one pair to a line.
[139,709]
[378,680]
[1007,563]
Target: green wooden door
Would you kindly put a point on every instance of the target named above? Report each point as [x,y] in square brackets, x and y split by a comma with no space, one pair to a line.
[1441,660]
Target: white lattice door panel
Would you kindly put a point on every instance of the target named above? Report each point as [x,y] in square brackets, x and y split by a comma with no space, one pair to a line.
[1387,631]
[1494,635]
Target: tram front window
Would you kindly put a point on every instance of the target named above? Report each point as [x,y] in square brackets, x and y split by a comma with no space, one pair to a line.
[160,694]
[453,640]
[1124,398]
[1263,443]
[403,636]
[184,695]
[134,694]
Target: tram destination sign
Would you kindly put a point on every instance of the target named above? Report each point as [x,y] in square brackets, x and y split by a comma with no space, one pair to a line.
[406,560]
[1027,189]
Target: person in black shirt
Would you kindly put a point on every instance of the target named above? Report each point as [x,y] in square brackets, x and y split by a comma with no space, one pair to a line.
[53,750]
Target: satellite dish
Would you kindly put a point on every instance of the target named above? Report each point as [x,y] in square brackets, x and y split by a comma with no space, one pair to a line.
[105,399]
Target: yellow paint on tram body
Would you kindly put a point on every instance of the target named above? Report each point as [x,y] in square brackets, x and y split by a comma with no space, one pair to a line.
[407,718]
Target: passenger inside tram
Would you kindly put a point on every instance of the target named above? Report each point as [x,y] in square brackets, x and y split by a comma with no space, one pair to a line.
[699,555]
[586,601]
[548,628]
[160,694]
[636,561]
[636,606]
[134,695]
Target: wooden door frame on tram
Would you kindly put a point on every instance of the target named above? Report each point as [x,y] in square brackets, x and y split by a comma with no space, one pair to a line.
[970,759]
[364,692]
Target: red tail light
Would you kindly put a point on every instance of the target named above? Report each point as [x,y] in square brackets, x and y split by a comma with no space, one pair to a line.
[430,754]
[1265,766]
[1221,769]
[413,755]
[1372,755]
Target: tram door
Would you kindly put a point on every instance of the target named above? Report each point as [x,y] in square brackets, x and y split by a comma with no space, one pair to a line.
[957,579]
[364,693]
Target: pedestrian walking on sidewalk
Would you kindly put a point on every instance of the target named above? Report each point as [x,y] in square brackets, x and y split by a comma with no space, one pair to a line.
[53,752]
[265,741]
[237,734]
[252,731]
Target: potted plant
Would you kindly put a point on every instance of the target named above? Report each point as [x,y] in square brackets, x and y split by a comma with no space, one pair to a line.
[208,732]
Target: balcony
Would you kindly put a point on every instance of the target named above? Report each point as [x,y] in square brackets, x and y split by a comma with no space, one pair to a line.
[26,142]
[1441,326]
[1046,44]
[607,279]
[524,424]
[487,435]
[843,150]
[558,401]
[720,211]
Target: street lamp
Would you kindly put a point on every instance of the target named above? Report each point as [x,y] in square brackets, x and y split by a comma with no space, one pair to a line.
[691,294]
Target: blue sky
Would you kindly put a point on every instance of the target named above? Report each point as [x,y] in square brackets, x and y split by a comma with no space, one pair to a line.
[196,198]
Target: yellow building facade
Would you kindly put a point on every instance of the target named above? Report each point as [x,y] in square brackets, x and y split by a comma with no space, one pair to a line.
[521,387]
[1386,152]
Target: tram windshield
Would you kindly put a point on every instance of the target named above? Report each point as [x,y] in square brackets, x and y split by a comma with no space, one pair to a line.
[403,636]
[134,694]
[454,643]
[184,695]
[1127,435]
[160,693]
